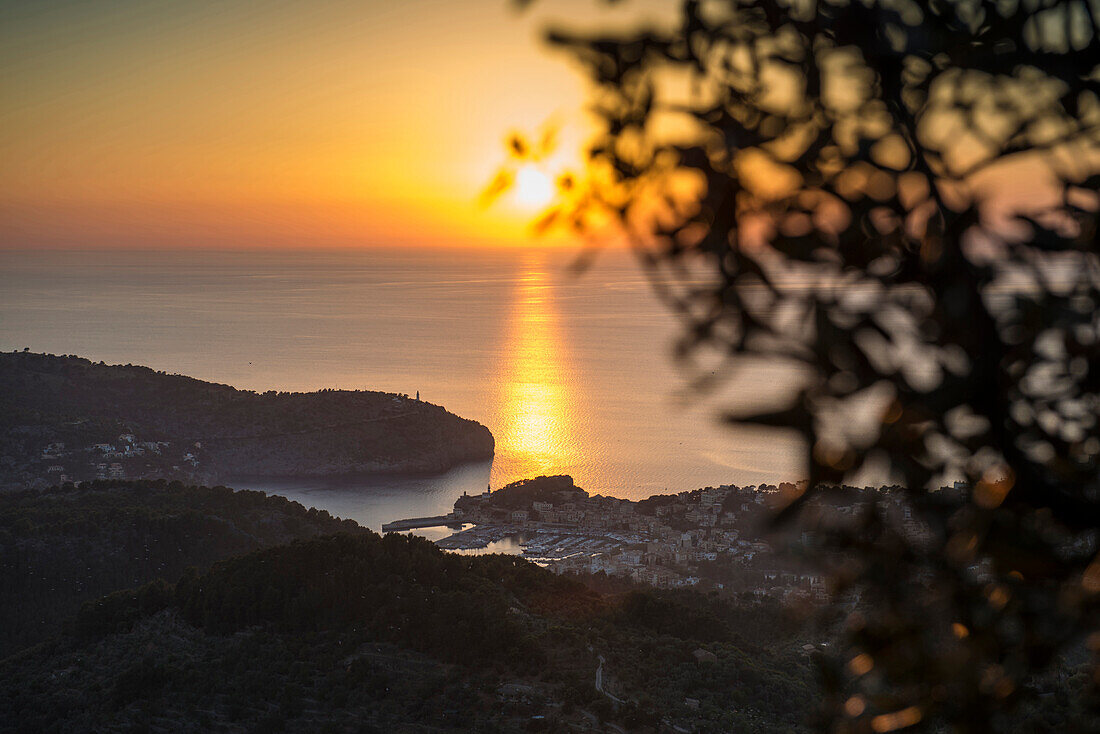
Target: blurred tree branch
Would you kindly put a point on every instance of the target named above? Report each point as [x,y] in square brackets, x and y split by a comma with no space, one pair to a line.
[901,197]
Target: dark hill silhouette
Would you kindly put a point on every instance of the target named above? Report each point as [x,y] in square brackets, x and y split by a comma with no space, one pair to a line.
[521,494]
[213,432]
[354,632]
[368,633]
[64,546]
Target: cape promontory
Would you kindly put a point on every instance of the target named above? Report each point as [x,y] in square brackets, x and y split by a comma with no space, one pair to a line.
[65,418]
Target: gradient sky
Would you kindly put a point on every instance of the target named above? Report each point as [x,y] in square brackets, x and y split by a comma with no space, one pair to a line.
[278,123]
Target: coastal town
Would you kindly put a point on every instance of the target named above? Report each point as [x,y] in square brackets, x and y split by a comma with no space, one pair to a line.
[715,538]
[711,538]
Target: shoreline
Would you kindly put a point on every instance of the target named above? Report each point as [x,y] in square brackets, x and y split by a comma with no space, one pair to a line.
[356,477]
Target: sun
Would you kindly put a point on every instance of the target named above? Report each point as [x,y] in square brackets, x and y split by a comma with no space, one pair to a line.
[533,188]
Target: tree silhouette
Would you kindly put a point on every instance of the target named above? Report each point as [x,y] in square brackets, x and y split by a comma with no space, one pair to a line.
[900,199]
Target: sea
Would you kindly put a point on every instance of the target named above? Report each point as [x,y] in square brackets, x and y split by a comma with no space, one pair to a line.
[573,371]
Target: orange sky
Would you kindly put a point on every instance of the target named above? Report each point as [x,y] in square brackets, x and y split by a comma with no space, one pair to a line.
[241,124]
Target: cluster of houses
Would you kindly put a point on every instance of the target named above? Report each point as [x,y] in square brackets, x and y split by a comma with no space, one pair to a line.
[665,541]
[717,537]
[126,457]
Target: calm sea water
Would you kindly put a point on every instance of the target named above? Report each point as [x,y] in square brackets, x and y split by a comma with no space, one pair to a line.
[573,374]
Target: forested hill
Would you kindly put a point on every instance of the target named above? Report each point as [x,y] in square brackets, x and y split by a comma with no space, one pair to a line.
[361,633]
[66,417]
[354,632]
[62,547]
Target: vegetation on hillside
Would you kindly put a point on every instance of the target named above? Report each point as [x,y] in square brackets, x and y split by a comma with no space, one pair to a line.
[351,632]
[520,495]
[67,545]
[48,400]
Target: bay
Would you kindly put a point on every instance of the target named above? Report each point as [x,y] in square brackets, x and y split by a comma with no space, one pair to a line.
[572,373]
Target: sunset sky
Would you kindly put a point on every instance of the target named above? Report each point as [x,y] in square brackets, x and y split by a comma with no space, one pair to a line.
[244,124]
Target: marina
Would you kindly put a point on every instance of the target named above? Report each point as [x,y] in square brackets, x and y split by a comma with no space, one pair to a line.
[539,545]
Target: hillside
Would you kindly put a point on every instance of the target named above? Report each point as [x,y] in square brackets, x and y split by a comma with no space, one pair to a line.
[364,633]
[68,419]
[353,632]
[522,494]
[62,547]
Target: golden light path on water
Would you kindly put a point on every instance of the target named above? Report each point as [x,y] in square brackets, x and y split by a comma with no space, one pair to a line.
[533,407]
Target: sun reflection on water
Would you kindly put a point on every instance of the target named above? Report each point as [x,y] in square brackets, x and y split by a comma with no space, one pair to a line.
[533,406]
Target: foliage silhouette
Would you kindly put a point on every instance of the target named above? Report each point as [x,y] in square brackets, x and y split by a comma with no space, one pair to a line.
[68,545]
[898,200]
[355,628]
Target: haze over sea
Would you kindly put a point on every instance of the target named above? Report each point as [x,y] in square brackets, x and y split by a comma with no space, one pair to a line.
[572,374]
